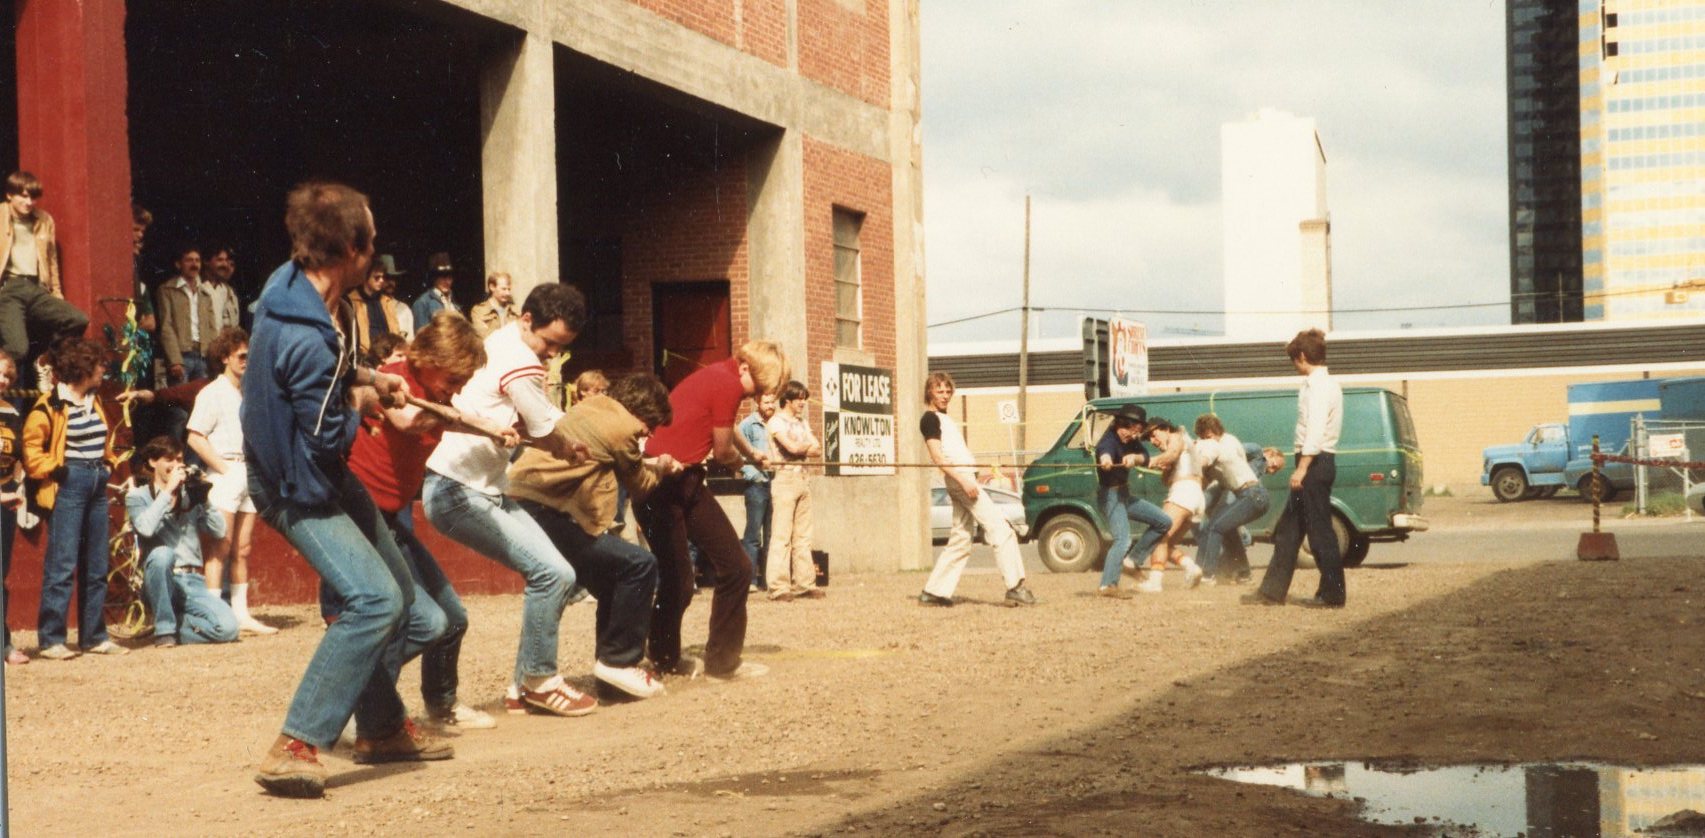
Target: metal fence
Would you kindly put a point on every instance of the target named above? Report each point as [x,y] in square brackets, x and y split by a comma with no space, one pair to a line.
[1666,441]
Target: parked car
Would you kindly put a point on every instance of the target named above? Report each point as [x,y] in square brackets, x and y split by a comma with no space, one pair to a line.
[941,513]
[1377,495]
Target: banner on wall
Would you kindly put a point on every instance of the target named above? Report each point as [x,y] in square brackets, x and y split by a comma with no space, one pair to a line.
[858,419]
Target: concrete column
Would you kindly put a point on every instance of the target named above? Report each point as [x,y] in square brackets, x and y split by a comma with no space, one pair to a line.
[74,135]
[775,232]
[911,337]
[518,162]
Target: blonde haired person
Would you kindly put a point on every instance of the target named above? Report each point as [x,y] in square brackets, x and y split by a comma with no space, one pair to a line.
[498,308]
[590,383]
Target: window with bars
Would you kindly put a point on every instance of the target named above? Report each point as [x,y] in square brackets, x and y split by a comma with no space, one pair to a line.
[849,303]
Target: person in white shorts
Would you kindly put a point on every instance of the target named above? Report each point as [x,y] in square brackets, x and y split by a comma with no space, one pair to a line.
[1184,497]
[216,436]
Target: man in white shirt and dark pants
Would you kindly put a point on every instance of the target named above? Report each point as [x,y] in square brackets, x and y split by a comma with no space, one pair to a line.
[1308,509]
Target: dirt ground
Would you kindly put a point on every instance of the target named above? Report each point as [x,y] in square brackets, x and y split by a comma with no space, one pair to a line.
[1081,716]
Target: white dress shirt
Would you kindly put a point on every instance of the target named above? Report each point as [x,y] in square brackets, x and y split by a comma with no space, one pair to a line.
[1320,414]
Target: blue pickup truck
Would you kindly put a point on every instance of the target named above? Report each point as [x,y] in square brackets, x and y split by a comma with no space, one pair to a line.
[1556,456]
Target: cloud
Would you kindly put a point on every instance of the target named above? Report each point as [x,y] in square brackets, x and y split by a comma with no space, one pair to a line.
[1109,114]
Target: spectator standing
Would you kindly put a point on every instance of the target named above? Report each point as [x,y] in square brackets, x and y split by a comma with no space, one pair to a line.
[68,451]
[756,539]
[140,220]
[31,299]
[372,307]
[575,503]
[215,434]
[1119,450]
[1308,508]
[399,308]
[11,494]
[498,308]
[166,516]
[180,319]
[299,419]
[441,280]
[971,505]
[791,444]
[218,302]
[682,510]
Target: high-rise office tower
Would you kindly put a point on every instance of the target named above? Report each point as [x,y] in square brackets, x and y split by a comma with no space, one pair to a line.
[1278,242]
[1544,83]
[1642,65]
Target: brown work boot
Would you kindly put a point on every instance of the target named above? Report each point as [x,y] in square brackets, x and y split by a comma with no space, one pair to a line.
[408,744]
[291,768]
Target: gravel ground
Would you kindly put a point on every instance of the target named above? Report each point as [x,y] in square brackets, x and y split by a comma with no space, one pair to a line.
[1080,716]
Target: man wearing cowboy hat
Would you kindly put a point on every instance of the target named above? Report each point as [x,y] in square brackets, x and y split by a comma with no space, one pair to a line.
[440,277]
[1118,451]
[373,309]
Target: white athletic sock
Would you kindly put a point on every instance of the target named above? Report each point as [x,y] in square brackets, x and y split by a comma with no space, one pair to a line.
[240,599]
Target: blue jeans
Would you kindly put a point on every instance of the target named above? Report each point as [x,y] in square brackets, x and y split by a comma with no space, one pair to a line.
[76,550]
[1120,509]
[182,605]
[195,366]
[756,539]
[622,576]
[496,527]
[441,662]
[351,672]
[1221,531]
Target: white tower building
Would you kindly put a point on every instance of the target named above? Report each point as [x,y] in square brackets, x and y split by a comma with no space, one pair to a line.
[1278,242]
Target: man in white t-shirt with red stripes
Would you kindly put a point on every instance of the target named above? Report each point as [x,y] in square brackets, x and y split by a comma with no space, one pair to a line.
[466,478]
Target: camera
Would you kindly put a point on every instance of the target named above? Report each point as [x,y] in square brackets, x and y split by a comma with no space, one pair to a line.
[195,487]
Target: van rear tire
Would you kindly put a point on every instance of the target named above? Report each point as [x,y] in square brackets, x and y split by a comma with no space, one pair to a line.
[1070,543]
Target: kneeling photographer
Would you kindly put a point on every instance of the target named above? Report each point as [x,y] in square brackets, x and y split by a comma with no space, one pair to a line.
[167,504]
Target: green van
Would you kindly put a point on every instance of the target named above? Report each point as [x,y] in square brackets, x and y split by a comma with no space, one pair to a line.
[1377,495]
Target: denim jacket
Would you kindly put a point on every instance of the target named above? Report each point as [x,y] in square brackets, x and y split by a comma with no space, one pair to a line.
[157,523]
[757,436]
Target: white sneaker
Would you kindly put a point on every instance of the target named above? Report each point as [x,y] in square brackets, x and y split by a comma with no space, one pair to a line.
[57,652]
[1150,584]
[745,671]
[464,717]
[633,680]
[1192,572]
[249,625]
[107,647]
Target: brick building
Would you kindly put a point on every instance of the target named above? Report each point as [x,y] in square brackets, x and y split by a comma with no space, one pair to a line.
[707,171]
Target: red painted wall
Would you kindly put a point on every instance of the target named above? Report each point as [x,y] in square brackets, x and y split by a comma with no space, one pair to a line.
[73,134]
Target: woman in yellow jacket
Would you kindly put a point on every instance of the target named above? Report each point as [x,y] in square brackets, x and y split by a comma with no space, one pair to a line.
[68,451]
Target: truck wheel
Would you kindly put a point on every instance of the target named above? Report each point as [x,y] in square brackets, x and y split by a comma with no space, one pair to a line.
[1069,543]
[1509,483]
[1346,546]
[1606,491]
[1358,551]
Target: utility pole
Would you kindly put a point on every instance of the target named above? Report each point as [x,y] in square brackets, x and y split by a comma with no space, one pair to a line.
[1024,339]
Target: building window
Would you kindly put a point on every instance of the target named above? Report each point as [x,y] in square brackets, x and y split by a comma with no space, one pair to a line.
[849,303]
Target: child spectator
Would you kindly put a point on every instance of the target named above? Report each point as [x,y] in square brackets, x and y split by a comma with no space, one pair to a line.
[215,434]
[756,538]
[166,512]
[791,442]
[11,493]
[68,450]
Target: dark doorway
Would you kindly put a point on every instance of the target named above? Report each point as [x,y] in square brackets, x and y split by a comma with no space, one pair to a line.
[690,327]
[231,104]
[8,86]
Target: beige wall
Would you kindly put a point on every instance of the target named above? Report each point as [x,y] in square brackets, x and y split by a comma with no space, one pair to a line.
[1454,417]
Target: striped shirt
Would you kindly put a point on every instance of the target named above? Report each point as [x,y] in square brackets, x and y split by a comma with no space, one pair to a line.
[85,430]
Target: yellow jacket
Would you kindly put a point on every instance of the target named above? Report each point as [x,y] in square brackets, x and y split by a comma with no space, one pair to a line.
[44,441]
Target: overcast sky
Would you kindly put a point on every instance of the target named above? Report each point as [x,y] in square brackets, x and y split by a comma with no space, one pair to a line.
[1107,112]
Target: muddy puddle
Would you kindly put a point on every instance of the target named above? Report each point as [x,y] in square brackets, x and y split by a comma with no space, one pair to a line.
[1535,801]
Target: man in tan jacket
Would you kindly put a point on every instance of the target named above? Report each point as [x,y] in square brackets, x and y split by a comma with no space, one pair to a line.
[498,308]
[574,503]
[179,309]
[31,299]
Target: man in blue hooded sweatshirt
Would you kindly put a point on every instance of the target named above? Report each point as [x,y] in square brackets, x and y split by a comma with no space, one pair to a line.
[301,405]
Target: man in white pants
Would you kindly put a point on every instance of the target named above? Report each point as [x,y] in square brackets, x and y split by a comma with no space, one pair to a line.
[971,506]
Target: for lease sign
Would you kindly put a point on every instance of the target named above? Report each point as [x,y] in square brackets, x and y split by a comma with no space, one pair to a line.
[858,419]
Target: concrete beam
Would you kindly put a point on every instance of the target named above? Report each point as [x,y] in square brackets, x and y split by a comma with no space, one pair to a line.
[518,162]
[775,232]
[911,336]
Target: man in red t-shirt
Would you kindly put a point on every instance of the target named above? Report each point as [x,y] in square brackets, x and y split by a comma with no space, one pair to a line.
[389,458]
[681,509]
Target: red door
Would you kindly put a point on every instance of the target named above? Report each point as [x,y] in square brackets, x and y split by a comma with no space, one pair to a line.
[690,327]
